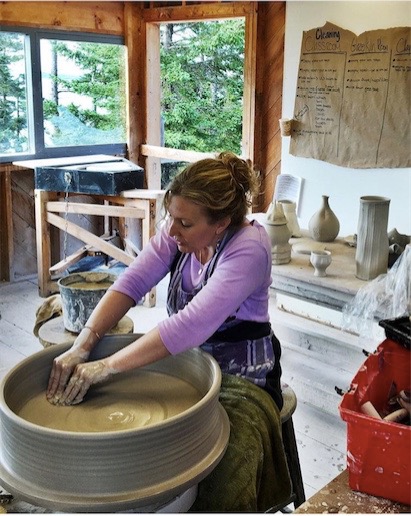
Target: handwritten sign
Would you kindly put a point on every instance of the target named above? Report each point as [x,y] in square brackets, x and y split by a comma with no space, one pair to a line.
[352,105]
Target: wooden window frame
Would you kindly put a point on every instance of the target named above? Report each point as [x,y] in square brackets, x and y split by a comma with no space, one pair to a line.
[152,151]
[38,149]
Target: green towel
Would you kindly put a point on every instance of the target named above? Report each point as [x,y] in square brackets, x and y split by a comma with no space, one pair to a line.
[253,474]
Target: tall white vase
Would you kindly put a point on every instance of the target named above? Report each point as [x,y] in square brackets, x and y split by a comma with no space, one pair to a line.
[277,229]
[290,212]
[371,257]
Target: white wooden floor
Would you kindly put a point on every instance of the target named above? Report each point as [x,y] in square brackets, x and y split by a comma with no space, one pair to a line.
[321,437]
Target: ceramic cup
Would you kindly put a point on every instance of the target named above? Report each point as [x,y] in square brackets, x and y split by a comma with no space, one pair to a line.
[285,126]
[320,260]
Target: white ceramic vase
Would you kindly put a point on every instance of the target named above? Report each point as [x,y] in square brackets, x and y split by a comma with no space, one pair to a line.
[371,256]
[324,225]
[290,212]
[320,260]
[277,229]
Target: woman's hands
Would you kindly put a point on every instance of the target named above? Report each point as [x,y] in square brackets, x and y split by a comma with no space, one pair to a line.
[64,387]
[83,376]
[63,366]
[71,378]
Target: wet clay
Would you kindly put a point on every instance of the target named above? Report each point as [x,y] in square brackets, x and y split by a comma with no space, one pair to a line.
[125,403]
[87,285]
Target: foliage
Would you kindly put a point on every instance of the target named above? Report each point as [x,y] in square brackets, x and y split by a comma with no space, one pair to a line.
[202,85]
[102,81]
[201,80]
[13,112]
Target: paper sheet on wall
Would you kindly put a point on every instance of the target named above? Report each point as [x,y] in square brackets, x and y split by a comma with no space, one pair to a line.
[288,187]
[352,105]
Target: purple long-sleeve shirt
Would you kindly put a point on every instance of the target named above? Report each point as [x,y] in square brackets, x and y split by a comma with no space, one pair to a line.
[238,286]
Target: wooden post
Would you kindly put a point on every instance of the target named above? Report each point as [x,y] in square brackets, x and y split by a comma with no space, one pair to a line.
[6,225]
[43,242]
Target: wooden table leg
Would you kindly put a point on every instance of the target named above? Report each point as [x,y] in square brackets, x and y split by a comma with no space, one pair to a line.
[43,242]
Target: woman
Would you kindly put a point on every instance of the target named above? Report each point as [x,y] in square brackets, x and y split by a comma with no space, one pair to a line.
[220,272]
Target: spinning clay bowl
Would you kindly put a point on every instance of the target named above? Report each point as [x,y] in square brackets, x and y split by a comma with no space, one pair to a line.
[133,447]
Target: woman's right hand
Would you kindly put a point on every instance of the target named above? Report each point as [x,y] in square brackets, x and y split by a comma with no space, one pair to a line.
[63,367]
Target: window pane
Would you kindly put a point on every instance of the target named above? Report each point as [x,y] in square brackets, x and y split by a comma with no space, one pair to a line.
[202,80]
[84,93]
[13,95]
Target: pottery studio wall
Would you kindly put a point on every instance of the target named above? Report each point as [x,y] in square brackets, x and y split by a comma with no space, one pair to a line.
[344,185]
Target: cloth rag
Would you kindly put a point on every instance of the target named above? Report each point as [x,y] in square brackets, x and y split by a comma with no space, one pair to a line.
[253,474]
[52,307]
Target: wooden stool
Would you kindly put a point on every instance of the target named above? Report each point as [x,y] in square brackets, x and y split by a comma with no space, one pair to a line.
[290,446]
[53,331]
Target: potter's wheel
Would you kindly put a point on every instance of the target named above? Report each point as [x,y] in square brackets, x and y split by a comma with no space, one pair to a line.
[149,499]
[179,504]
[137,467]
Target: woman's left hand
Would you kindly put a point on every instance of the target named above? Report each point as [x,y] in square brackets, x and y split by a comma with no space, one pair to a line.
[84,375]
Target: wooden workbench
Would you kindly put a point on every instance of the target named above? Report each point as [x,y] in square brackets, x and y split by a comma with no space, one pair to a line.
[338,497]
[133,209]
[297,277]
[321,299]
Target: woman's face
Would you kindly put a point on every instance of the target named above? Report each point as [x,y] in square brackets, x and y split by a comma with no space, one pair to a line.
[190,227]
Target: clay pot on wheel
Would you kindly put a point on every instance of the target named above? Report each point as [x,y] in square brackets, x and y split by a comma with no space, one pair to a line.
[125,466]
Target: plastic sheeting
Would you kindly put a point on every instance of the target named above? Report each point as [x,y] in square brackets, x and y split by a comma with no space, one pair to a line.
[386,297]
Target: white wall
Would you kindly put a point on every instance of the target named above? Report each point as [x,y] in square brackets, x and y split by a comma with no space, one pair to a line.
[344,185]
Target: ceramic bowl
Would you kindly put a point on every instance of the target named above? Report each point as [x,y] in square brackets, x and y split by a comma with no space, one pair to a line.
[111,470]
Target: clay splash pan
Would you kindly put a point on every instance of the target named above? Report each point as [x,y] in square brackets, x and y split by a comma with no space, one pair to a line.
[135,442]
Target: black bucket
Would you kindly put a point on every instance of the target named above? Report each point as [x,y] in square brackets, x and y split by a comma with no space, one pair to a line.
[80,294]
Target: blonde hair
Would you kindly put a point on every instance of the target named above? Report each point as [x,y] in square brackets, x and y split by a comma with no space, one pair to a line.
[224,187]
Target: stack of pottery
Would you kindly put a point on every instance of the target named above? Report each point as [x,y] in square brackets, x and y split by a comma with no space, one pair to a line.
[279,233]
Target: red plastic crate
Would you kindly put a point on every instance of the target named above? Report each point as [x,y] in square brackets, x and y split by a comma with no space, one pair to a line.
[379,452]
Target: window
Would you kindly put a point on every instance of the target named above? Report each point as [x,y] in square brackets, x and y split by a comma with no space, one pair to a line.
[61,94]
[202,81]
[13,95]
[202,87]
[234,54]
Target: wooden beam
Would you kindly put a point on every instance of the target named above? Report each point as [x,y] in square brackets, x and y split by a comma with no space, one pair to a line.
[103,210]
[175,154]
[135,41]
[153,103]
[6,225]
[43,240]
[98,17]
[90,238]
[268,96]
[197,12]
[250,60]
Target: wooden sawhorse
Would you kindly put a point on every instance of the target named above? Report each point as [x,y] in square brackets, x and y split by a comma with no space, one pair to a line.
[51,211]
